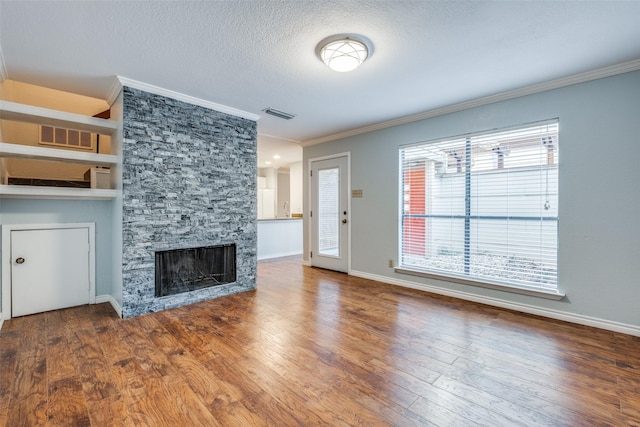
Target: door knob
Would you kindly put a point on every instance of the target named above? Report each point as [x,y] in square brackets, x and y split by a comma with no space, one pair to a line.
[344,221]
[19,260]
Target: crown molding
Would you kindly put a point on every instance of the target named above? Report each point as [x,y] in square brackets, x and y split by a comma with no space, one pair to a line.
[3,68]
[114,91]
[266,135]
[613,70]
[124,81]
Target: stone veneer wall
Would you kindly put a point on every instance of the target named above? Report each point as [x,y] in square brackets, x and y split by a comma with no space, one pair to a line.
[189,180]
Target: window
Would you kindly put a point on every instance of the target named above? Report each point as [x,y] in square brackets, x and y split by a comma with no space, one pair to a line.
[483,207]
[329,211]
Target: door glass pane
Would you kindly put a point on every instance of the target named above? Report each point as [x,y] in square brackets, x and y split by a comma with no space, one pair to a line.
[329,211]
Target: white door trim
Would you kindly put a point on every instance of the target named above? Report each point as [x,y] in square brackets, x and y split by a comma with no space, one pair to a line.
[6,258]
[346,154]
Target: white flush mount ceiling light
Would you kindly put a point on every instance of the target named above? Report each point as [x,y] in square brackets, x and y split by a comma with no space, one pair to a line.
[344,53]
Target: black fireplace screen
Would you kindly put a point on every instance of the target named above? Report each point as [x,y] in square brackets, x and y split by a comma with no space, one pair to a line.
[184,270]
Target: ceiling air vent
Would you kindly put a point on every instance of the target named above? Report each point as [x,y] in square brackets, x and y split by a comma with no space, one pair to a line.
[279,113]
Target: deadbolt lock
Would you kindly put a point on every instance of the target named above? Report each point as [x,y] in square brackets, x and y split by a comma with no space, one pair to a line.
[19,260]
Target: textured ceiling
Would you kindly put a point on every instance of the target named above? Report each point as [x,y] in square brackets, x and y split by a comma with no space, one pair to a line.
[251,55]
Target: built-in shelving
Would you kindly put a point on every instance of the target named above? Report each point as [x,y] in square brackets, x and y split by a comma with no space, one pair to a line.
[44,116]
[34,192]
[56,154]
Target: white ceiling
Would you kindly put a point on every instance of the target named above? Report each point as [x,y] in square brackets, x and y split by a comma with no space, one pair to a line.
[250,55]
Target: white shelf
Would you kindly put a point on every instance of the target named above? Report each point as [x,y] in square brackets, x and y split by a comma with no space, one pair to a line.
[35,192]
[44,116]
[56,154]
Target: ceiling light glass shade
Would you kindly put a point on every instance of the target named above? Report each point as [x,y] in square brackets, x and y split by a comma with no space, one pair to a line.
[344,55]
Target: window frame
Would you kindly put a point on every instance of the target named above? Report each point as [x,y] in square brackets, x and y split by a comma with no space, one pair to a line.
[452,276]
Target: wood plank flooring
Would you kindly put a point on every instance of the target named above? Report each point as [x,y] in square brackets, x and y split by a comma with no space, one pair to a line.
[312,347]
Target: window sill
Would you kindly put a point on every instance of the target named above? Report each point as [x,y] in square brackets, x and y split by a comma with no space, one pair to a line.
[542,293]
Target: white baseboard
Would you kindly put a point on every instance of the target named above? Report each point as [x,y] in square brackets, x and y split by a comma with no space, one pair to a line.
[279,255]
[524,308]
[99,300]
[306,263]
[108,298]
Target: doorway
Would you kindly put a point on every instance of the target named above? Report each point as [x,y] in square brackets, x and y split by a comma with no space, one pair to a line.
[47,267]
[329,215]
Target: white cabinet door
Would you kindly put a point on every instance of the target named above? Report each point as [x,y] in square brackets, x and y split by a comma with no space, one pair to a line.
[266,204]
[49,269]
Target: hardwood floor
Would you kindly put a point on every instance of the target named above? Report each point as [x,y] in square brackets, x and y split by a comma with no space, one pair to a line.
[313,347]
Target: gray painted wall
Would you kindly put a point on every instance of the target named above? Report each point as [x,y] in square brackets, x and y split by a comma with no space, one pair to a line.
[188,180]
[27,211]
[599,253]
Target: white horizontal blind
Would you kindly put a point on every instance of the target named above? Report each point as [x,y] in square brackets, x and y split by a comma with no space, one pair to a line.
[328,211]
[483,207]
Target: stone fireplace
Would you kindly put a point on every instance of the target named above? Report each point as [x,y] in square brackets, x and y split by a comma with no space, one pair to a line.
[189,181]
[186,270]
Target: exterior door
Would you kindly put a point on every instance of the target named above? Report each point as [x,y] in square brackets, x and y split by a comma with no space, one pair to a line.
[49,269]
[329,214]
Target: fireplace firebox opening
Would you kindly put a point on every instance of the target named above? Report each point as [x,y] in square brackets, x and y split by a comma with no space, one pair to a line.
[185,270]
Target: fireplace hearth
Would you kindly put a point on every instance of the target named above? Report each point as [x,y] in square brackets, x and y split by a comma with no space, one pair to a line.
[185,270]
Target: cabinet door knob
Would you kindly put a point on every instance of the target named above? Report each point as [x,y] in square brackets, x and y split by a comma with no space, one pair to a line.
[20,260]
